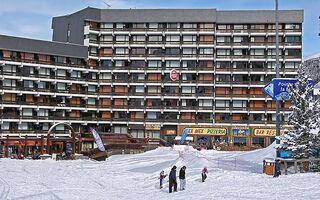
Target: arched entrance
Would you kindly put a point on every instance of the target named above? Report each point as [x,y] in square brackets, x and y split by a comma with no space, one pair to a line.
[72,133]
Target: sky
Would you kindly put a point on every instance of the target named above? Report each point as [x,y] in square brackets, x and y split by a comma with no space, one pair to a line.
[32,18]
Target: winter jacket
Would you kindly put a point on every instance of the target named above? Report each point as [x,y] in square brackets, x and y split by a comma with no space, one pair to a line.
[182,174]
[172,175]
[277,167]
[204,171]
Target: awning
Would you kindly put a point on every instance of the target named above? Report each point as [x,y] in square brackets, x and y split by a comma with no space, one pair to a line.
[187,138]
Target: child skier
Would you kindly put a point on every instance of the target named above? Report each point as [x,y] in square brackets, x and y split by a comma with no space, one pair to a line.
[204,174]
[162,176]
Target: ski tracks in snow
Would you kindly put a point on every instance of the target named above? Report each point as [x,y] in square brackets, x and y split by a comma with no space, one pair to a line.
[5,190]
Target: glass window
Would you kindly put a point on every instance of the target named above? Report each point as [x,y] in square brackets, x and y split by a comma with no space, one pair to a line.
[173,38]
[61,86]
[222,104]
[189,51]
[43,113]
[106,25]
[28,84]
[92,88]
[173,63]
[5,126]
[122,51]
[205,102]
[9,68]
[239,104]
[122,38]
[27,112]
[188,90]
[139,38]
[9,83]
[154,63]
[258,142]
[189,38]
[206,51]
[172,51]
[23,126]
[223,52]
[257,52]
[75,74]
[239,141]
[44,71]
[91,101]
[155,38]
[189,25]
[106,38]
[61,72]
[120,25]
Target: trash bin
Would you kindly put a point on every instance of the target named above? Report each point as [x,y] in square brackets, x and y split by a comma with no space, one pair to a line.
[268,167]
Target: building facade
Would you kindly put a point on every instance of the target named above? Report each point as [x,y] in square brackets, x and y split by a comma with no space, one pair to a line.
[155,73]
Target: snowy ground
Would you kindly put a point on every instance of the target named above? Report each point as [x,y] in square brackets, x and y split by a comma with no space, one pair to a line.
[232,175]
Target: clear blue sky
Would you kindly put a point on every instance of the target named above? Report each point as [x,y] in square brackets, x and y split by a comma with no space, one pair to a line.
[32,18]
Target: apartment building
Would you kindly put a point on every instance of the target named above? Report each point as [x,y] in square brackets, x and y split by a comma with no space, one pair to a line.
[156,73]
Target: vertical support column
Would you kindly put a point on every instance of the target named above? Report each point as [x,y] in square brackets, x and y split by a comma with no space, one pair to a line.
[278,76]
[73,145]
[48,144]
[285,168]
[79,146]
[25,146]
[41,148]
[7,147]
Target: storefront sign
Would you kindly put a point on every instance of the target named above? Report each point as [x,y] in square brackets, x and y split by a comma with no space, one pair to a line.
[240,132]
[266,132]
[153,126]
[207,131]
[173,75]
[170,132]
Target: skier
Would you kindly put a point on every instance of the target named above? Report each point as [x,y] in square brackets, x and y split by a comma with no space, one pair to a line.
[162,176]
[182,177]
[277,171]
[204,173]
[173,179]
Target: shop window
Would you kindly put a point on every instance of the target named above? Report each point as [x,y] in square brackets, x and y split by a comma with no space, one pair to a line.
[137,133]
[258,142]
[240,141]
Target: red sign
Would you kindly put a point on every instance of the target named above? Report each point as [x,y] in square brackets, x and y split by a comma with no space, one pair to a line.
[173,75]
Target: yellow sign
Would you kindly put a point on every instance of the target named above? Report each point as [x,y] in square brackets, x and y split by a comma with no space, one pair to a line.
[153,126]
[266,132]
[207,131]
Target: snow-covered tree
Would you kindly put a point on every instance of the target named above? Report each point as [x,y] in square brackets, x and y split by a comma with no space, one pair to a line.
[300,140]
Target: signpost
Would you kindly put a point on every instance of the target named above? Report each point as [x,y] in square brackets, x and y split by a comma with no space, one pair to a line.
[277,89]
[173,75]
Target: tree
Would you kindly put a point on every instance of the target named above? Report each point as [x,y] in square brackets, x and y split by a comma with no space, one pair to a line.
[300,140]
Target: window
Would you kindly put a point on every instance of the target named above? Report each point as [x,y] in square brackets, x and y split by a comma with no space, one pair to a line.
[10,68]
[172,38]
[139,89]
[293,52]
[106,38]
[122,51]
[292,26]
[258,142]
[120,25]
[205,102]
[5,126]
[239,27]
[9,83]
[173,25]
[257,39]
[155,38]
[239,104]
[27,70]
[189,38]
[206,39]
[91,101]
[106,25]
[272,52]
[154,63]
[257,52]
[222,77]
[137,115]
[189,63]
[138,63]
[154,90]
[105,76]
[223,52]
[223,27]
[172,51]
[138,77]
[189,51]
[23,126]
[153,115]
[61,86]
[239,141]
[138,38]
[188,90]
[153,25]
[28,84]
[61,72]
[139,25]
[223,65]
[138,51]
[293,39]
[92,88]
[155,51]
[189,26]
[222,104]
[27,112]
[172,63]
[206,51]
[75,74]
[223,39]
[121,63]
[122,38]
[43,113]
[44,71]
[291,65]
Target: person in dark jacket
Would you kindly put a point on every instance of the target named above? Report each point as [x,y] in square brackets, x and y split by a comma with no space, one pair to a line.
[162,176]
[204,173]
[182,177]
[173,179]
[277,171]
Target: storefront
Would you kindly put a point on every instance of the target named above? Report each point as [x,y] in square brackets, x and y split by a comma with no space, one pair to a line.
[263,137]
[205,136]
[240,137]
[170,134]
[152,131]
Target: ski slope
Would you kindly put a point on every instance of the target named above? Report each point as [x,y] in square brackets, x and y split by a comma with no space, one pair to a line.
[232,175]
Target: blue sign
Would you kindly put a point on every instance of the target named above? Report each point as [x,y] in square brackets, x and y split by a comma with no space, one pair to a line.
[97,139]
[184,135]
[278,88]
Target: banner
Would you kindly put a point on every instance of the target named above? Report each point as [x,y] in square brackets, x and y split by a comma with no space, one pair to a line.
[97,139]
[207,131]
[266,132]
[184,136]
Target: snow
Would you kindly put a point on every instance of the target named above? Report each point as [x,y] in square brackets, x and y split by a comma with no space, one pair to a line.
[232,175]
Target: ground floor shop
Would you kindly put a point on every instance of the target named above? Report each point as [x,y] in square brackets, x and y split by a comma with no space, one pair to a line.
[225,136]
